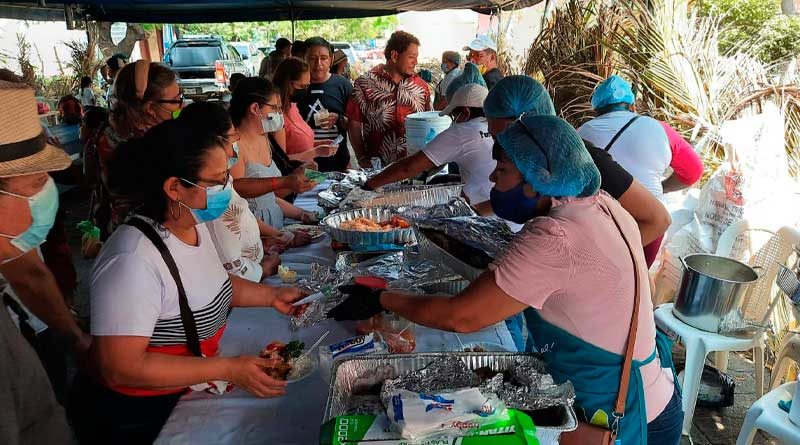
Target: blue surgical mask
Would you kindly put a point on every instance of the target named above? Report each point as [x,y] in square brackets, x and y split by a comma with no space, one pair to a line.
[272,122]
[235,158]
[43,206]
[513,205]
[218,198]
[444,68]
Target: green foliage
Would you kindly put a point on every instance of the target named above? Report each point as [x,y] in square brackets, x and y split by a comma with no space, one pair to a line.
[349,30]
[758,24]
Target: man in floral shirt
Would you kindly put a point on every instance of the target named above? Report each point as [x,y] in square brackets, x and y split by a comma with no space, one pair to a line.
[382,98]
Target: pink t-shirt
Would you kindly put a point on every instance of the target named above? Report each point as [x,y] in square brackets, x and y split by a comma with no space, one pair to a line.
[574,267]
[299,136]
[686,163]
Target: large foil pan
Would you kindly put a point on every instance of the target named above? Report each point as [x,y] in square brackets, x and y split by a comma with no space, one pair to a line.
[432,252]
[416,195]
[350,377]
[352,237]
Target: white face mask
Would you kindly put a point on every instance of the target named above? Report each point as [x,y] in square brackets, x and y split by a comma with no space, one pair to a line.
[272,122]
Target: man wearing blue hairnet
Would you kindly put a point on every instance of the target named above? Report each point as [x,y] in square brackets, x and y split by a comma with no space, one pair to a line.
[638,143]
[515,96]
[575,271]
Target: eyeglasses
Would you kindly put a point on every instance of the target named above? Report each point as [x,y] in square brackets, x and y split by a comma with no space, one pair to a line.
[217,185]
[178,101]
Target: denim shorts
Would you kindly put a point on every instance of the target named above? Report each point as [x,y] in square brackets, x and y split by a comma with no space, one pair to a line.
[666,428]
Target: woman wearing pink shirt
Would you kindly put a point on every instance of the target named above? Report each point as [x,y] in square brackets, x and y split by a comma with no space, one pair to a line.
[292,78]
[573,271]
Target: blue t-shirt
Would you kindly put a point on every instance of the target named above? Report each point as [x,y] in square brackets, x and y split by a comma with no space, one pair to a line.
[331,95]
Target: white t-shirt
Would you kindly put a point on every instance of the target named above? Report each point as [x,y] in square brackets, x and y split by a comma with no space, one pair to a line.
[643,149]
[238,240]
[469,145]
[133,293]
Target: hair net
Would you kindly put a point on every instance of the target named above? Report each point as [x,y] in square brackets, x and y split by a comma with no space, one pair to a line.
[614,90]
[551,156]
[452,56]
[470,75]
[514,96]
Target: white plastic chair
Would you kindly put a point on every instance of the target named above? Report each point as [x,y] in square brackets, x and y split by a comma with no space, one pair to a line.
[755,306]
[789,352]
[765,415]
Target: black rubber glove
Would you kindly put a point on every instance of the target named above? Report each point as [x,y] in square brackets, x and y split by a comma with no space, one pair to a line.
[361,302]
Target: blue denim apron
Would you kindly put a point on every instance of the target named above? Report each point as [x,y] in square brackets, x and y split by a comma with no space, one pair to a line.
[596,373]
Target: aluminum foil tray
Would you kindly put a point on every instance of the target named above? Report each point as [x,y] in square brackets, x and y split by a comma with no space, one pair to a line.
[346,374]
[432,252]
[425,195]
[352,237]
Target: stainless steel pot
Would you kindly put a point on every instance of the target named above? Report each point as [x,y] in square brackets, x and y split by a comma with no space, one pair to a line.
[711,288]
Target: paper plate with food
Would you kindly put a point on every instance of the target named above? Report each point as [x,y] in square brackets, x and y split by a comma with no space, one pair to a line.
[289,365]
[315,232]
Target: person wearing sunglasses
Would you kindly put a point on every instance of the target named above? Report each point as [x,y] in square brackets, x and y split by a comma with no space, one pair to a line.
[292,79]
[145,94]
[160,297]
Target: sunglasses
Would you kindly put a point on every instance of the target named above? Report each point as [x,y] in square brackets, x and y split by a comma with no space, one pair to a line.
[178,101]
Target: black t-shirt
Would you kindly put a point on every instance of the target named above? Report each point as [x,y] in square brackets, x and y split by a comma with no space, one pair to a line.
[614,179]
[331,95]
[491,77]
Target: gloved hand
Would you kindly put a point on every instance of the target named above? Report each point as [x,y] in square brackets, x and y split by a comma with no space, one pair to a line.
[361,303]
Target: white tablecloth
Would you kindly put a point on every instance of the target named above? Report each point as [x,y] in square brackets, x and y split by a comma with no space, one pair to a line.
[240,418]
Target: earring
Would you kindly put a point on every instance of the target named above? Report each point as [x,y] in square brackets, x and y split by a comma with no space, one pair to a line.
[171,212]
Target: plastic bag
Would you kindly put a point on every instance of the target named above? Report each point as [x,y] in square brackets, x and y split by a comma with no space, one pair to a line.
[90,239]
[396,332]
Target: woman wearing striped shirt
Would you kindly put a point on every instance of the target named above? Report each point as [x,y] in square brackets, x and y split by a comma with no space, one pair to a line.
[139,341]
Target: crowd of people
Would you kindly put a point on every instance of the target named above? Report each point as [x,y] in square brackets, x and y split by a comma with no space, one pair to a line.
[191,202]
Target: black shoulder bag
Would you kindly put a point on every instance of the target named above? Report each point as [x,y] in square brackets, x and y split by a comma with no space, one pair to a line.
[619,133]
[187,318]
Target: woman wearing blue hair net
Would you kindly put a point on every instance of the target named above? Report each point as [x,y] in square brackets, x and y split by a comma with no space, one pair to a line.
[470,75]
[577,271]
[517,95]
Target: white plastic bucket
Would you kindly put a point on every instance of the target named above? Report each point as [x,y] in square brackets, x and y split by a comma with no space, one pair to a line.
[422,127]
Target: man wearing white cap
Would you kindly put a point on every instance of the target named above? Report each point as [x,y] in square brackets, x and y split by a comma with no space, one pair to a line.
[483,52]
[29,201]
[467,143]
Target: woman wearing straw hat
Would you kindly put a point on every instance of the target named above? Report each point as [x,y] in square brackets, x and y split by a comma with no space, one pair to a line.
[577,270]
[146,94]
[29,200]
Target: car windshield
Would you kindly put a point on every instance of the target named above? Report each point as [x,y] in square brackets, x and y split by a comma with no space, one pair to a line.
[242,49]
[195,55]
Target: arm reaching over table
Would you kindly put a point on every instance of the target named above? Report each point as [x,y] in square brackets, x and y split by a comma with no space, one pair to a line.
[465,312]
[400,170]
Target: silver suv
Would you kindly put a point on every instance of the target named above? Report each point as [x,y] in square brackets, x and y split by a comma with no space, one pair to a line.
[204,65]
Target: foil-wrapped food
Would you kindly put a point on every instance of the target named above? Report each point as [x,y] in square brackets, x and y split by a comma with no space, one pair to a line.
[475,240]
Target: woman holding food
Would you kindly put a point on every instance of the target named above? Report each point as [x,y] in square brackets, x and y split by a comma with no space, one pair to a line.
[256,111]
[292,78]
[240,238]
[160,296]
[576,269]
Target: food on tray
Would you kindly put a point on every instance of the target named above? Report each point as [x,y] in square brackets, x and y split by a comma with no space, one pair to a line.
[284,355]
[367,225]
[287,275]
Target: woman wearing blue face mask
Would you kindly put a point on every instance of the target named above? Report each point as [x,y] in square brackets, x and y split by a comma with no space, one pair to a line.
[578,272]
[28,205]
[256,112]
[160,297]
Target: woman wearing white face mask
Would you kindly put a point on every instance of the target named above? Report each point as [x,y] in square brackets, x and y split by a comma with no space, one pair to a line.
[28,204]
[256,112]
[161,297]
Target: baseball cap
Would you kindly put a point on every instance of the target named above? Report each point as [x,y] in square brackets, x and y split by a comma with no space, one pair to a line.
[471,95]
[480,43]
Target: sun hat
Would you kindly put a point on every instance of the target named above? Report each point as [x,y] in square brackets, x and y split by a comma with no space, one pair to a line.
[481,43]
[614,90]
[471,95]
[23,143]
[551,156]
[516,95]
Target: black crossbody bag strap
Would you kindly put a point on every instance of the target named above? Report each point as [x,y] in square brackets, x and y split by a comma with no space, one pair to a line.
[187,319]
[619,133]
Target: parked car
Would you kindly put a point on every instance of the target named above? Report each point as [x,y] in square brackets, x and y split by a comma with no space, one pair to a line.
[352,58]
[204,65]
[249,54]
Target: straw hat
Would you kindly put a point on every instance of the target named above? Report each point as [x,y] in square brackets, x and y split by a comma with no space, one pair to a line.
[23,144]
